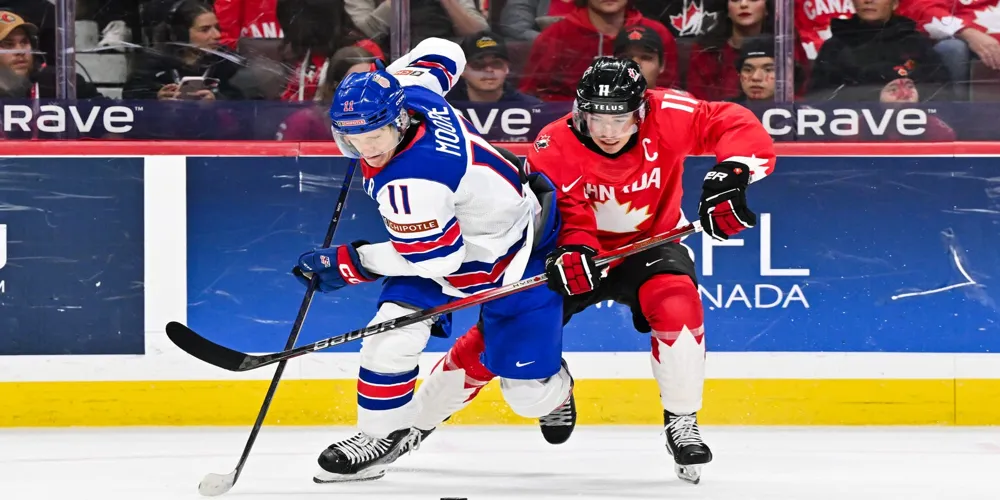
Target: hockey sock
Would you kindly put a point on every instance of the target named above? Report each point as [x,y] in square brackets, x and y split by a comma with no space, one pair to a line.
[454,382]
[673,309]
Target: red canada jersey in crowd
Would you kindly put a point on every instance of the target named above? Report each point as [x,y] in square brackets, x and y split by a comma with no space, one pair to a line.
[812,21]
[607,203]
[247,18]
[943,18]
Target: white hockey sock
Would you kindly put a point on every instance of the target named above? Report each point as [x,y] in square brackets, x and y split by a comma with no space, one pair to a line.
[678,360]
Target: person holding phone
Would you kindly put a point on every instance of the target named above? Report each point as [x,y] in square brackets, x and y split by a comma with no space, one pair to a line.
[187,61]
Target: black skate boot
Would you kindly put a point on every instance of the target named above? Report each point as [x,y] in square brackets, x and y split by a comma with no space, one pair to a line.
[364,458]
[558,426]
[685,445]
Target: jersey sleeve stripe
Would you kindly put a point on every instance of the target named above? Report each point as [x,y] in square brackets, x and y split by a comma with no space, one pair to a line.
[485,158]
[443,68]
[449,237]
[475,276]
[436,253]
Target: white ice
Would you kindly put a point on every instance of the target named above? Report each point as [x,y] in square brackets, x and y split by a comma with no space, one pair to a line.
[511,463]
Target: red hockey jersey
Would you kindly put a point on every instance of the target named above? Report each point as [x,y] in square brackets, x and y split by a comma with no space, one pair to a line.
[812,21]
[607,203]
[943,18]
[249,18]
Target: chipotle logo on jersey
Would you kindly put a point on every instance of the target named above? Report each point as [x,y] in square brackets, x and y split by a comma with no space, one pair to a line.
[415,227]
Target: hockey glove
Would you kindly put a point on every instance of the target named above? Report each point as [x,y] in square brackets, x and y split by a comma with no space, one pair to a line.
[723,207]
[571,270]
[336,267]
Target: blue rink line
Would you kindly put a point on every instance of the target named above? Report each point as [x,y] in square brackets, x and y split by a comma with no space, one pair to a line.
[865,229]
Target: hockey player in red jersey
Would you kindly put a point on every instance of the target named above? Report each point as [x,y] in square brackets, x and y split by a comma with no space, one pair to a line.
[617,161]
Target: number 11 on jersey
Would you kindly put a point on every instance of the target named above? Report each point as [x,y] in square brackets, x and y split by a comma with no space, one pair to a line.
[404,199]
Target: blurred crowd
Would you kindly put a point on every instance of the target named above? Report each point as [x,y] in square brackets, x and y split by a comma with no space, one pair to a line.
[523,52]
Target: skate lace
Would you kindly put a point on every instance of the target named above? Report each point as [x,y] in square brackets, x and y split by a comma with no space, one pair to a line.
[363,448]
[560,416]
[684,430]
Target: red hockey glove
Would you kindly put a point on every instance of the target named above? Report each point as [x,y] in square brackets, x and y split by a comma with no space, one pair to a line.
[571,270]
[723,207]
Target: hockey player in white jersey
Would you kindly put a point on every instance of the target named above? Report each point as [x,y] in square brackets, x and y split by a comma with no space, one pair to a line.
[461,219]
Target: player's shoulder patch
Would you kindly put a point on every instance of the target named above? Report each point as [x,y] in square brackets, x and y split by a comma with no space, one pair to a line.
[542,142]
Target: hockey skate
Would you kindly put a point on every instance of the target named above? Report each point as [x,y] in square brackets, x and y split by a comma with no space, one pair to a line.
[685,445]
[364,458]
[558,426]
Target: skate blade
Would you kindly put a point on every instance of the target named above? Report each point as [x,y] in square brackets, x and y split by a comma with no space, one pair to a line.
[369,474]
[688,473]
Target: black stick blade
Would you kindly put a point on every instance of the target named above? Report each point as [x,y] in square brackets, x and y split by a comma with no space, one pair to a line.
[206,350]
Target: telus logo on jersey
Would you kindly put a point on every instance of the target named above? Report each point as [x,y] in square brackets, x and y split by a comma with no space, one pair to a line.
[53,119]
[445,135]
[776,293]
[845,122]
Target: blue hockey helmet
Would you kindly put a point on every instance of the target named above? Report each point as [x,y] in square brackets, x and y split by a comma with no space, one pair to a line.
[363,104]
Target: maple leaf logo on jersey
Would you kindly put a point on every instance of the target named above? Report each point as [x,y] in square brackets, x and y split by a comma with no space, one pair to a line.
[692,20]
[989,18]
[758,166]
[943,27]
[613,217]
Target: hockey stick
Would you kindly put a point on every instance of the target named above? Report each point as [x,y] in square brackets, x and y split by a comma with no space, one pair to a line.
[236,361]
[216,484]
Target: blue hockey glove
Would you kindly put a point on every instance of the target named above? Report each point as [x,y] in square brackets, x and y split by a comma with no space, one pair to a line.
[336,267]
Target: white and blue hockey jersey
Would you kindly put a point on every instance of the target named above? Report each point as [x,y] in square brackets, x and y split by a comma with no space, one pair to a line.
[455,209]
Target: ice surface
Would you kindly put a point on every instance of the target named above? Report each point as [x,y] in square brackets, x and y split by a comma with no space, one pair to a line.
[511,463]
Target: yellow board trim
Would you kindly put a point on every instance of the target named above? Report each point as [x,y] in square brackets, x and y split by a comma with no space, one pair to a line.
[332,402]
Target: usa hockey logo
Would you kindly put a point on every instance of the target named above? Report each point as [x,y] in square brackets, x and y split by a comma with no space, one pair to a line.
[325,260]
[349,106]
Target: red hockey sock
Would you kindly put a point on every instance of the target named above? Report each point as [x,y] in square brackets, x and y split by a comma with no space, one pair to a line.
[466,354]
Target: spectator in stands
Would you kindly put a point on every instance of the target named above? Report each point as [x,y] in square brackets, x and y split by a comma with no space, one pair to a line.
[186,44]
[39,13]
[959,27]
[851,63]
[451,19]
[684,18]
[562,52]
[644,46]
[314,31]
[756,70]
[525,19]
[712,73]
[901,90]
[18,47]
[485,76]
[247,18]
[313,123]
[812,21]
